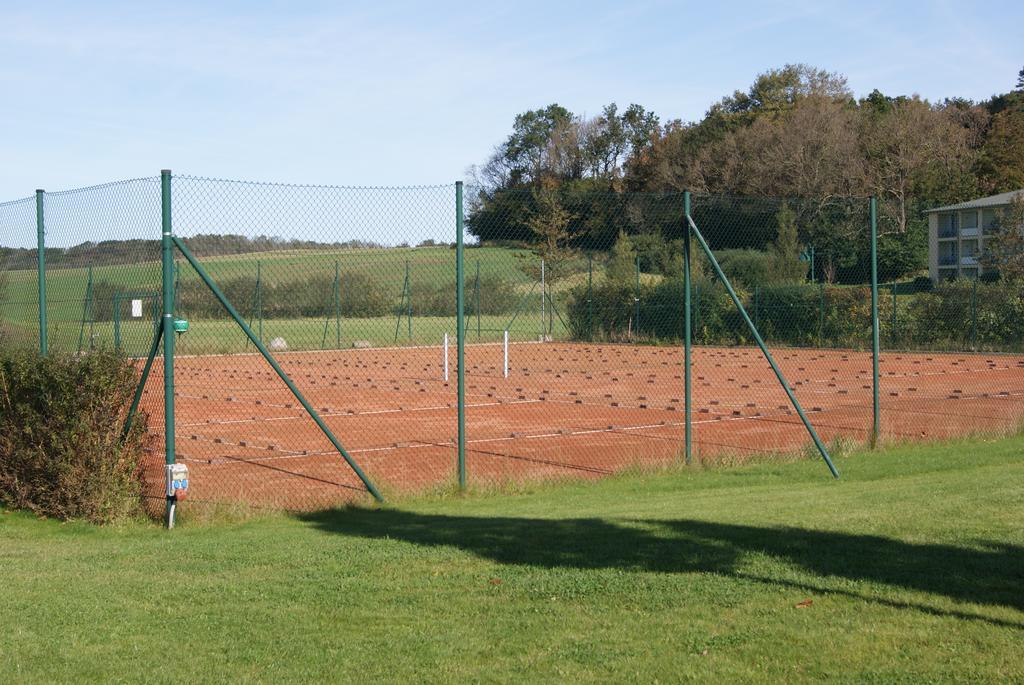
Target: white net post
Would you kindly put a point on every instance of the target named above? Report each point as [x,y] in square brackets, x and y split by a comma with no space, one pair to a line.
[445,353]
[504,366]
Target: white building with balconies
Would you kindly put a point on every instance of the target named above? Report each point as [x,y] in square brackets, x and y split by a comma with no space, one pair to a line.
[956,235]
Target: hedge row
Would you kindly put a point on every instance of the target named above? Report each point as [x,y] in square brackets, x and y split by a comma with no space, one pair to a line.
[360,296]
[956,316]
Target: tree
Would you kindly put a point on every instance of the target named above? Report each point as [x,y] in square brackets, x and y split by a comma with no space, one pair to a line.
[786,249]
[549,223]
[1004,249]
[779,89]
[1002,157]
[913,150]
[522,158]
[621,268]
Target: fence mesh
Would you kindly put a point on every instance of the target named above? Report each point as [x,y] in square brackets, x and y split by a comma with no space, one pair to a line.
[574,310]
[19,301]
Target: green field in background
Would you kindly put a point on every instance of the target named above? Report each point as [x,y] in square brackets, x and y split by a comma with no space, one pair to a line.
[223,336]
[430,267]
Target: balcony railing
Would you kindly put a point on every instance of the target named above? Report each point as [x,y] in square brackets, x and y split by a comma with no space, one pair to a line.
[969,232]
[947,233]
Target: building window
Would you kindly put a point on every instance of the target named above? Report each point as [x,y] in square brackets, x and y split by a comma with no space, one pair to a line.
[947,225]
[947,254]
[970,248]
[988,220]
[969,220]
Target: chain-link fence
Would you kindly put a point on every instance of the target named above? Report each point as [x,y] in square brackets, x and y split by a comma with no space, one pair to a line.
[321,355]
[19,282]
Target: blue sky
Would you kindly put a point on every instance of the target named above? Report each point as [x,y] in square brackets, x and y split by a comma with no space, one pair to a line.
[392,93]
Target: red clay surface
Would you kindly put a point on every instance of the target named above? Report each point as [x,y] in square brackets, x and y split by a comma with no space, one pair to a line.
[566,411]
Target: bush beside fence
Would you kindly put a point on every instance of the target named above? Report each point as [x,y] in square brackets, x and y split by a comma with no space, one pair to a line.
[62,453]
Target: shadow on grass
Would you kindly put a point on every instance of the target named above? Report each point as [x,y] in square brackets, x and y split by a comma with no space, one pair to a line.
[992,574]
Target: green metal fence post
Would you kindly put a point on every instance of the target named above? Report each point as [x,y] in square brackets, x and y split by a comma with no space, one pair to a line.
[877,413]
[543,292]
[476,296]
[695,308]
[255,300]
[117,321]
[760,343]
[460,334]
[757,306]
[894,312]
[259,297]
[636,298]
[821,313]
[167,268]
[87,312]
[687,343]
[590,297]
[177,286]
[41,267]
[92,311]
[974,314]
[337,305]
[405,305]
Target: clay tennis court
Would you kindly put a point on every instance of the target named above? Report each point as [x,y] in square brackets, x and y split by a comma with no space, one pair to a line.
[565,411]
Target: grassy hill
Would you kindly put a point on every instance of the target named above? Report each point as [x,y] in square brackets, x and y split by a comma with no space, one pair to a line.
[431,275]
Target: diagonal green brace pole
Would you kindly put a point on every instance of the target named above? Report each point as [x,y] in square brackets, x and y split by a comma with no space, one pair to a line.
[760,343]
[133,410]
[551,305]
[273,363]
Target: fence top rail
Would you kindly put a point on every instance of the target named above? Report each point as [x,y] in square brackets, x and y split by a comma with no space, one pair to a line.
[104,186]
[824,201]
[12,203]
[312,186]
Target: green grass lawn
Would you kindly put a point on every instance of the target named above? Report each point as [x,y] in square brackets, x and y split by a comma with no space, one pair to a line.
[909,569]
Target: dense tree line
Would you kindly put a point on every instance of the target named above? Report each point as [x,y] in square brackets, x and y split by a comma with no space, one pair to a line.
[559,180]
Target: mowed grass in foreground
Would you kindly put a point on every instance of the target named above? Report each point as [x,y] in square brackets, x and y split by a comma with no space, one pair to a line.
[909,569]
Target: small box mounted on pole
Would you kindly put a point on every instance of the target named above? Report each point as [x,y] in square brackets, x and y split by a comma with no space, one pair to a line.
[177,480]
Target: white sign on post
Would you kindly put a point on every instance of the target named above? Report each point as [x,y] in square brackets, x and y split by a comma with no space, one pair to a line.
[137,309]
